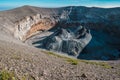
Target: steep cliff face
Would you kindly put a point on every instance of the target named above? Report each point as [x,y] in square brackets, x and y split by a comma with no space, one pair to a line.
[67,40]
[24,25]
[31,24]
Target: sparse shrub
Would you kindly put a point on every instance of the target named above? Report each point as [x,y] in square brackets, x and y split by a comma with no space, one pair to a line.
[103,64]
[5,75]
[76,61]
[16,57]
[72,61]
[27,77]
[68,59]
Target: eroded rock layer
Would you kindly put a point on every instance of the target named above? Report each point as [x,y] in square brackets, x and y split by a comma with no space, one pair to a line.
[31,24]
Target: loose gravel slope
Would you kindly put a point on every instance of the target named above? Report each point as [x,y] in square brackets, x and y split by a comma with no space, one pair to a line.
[29,63]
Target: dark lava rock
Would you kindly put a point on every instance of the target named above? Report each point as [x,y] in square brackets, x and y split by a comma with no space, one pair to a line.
[68,40]
[84,75]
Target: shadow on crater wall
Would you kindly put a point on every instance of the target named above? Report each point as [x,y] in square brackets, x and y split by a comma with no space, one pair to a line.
[101,47]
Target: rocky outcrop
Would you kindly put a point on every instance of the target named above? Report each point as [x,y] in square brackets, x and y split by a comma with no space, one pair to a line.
[67,40]
[31,24]
[24,25]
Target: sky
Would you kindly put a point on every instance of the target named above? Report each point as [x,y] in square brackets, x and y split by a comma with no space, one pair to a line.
[9,4]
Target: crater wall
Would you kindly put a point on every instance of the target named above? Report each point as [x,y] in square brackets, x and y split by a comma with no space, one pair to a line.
[31,24]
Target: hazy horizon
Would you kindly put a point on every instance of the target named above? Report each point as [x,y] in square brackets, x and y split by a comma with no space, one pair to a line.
[9,4]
